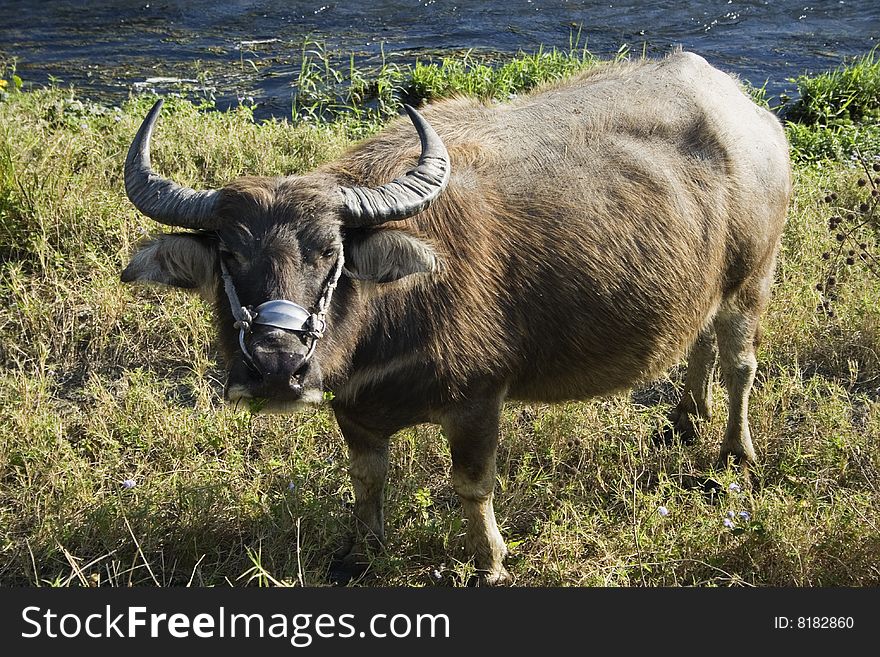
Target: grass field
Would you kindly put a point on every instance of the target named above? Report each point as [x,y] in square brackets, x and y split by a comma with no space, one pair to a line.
[120,465]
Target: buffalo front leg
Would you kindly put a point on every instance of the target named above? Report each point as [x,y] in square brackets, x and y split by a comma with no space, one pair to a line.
[472,431]
[368,467]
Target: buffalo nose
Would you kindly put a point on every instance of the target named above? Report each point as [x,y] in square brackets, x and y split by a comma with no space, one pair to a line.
[278,368]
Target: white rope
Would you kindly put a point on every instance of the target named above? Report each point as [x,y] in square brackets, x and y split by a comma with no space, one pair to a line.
[317,320]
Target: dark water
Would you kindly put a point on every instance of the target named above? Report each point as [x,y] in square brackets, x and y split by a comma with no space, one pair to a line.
[241,48]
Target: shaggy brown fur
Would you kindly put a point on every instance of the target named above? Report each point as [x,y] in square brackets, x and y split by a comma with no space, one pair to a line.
[590,232]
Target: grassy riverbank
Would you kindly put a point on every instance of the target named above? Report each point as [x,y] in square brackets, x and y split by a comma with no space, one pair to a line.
[120,465]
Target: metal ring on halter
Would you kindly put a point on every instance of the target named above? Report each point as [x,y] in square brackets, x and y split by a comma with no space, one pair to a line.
[244,350]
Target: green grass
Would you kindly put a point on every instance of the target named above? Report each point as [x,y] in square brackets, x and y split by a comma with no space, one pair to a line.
[850,92]
[466,75]
[100,383]
[836,112]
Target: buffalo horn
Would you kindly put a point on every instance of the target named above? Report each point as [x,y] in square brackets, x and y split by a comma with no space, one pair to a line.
[160,199]
[407,195]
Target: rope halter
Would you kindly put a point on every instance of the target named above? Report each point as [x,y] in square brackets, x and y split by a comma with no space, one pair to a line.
[281,313]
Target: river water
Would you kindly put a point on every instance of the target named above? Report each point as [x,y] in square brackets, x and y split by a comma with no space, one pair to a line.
[241,48]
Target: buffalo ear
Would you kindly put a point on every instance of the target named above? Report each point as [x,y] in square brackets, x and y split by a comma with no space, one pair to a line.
[387,255]
[181,260]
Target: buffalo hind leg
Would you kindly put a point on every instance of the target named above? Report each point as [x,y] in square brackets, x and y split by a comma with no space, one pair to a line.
[368,467]
[737,330]
[472,431]
[696,400]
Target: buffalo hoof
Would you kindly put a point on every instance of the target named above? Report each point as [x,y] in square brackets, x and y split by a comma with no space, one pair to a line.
[343,572]
[670,434]
[498,578]
[341,575]
[709,487]
[679,427]
[349,564]
[742,464]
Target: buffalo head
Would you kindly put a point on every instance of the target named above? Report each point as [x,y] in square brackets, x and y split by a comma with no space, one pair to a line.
[270,252]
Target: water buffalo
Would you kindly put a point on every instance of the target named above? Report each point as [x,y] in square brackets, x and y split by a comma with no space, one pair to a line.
[567,244]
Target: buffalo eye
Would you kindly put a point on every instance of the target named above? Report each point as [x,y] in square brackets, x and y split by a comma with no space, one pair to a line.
[329,252]
[231,256]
